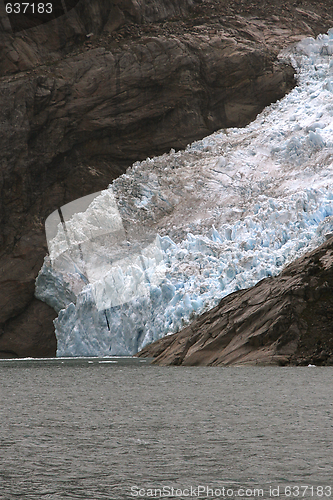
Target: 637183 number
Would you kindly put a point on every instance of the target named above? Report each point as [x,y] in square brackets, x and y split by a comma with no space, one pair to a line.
[313,491]
[29,8]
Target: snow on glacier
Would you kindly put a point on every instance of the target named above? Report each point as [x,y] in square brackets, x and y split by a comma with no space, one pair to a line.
[176,233]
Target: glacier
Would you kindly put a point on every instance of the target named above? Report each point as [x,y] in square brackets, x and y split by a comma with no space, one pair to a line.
[176,233]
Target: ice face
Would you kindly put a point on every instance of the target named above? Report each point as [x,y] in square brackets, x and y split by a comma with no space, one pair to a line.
[176,233]
[89,244]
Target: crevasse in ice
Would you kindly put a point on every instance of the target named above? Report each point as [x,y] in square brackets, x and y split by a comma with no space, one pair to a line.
[176,233]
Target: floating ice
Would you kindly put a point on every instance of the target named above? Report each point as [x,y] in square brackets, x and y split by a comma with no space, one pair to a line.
[176,233]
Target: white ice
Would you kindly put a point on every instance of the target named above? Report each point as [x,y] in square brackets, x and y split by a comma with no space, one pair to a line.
[228,211]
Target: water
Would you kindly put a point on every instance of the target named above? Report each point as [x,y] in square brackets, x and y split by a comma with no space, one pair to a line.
[81,429]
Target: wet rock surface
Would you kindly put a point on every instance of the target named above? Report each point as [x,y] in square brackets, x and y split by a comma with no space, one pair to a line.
[285,320]
[86,95]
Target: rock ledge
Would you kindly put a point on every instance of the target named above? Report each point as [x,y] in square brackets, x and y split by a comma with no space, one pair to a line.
[285,320]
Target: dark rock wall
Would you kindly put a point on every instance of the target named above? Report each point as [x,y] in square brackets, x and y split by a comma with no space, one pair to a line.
[46,43]
[58,117]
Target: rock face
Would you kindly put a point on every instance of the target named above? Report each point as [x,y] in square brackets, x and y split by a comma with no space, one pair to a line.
[84,96]
[47,43]
[282,320]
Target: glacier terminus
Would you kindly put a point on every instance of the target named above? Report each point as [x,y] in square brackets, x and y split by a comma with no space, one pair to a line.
[176,233]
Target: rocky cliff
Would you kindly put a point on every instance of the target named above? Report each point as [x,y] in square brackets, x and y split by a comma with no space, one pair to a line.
[282,320]
[110,82]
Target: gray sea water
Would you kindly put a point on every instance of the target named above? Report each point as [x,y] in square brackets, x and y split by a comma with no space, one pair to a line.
[121,429]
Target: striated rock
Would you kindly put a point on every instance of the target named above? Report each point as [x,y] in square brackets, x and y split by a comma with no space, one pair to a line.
[283,320]
[87,94]
[46,43]
[30,334]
